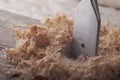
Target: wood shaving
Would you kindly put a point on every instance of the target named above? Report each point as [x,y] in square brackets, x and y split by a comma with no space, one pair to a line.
[38,53]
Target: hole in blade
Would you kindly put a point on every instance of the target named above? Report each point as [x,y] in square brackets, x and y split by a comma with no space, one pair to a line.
[82,45]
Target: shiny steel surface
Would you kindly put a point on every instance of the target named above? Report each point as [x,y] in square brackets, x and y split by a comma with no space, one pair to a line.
[86,28]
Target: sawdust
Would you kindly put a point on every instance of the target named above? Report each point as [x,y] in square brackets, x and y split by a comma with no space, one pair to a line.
[38,53]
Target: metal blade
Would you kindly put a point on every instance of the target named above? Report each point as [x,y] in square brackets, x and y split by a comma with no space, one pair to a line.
[86,30]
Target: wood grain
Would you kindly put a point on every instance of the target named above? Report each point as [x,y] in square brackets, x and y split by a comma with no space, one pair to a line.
[37,10]
[110,3]
[7,21]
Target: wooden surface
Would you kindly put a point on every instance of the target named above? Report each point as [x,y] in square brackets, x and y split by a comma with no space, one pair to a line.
[37,9]
[40,9]
[110,3]
[7,21]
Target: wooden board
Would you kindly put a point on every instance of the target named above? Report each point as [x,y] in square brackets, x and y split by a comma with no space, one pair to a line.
[39,9]
[110,3]
[7,21]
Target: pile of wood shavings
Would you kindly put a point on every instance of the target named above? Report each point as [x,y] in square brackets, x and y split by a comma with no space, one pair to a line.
[38,53]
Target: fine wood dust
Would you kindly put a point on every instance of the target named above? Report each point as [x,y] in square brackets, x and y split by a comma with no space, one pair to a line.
[38,53]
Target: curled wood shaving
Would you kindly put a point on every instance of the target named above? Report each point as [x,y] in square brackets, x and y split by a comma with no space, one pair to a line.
[38,53]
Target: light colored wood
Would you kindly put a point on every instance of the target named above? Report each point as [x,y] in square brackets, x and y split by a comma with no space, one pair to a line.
[39,9]
[110,14]
[7,21]
[110,3]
